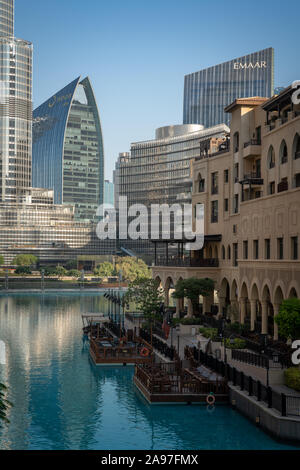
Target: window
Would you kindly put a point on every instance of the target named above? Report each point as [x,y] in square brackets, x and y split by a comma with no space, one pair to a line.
[223,252]
[226,176]
[235,254]
[236,142]
[294,247]
[236,204]
[267,248]
[271,157]
[214,183]
[271,187]
[214,212]
[226,205]
[255,249]
[297,180]
[280,248]
[236,173]
[245,249]
[229,252]
[296,147]
[283,153]
[200,183]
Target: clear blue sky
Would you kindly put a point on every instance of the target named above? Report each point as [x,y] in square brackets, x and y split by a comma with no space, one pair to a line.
[137,52]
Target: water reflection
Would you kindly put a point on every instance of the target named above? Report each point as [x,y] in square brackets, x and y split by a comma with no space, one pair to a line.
[62,401]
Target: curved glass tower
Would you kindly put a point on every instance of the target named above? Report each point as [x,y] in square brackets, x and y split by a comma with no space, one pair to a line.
[6,17]
[68,154]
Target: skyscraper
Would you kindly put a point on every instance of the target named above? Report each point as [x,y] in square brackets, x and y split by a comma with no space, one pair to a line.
[15,110]
[208,92]
[6,17]
[68,154]
[109,190]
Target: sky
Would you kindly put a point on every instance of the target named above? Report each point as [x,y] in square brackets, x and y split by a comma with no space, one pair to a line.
[136,53]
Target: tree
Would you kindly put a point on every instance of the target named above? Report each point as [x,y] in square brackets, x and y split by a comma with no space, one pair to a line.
[60,271]
[74,273]
[132,268]
[23,270]
[288,319]
[192,288]
[148,298]
[104,269]
[71,264]
[1,260]
[4,404]
[25,260]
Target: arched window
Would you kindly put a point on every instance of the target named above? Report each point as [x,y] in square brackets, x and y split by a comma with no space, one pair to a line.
[200,184]
[236,141]
[229,252]
[283,153]
[271,157]
[223,252]
[296,147]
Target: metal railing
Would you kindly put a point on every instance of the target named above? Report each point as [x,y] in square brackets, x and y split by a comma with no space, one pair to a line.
[252,142]
[176,261]
[286,405]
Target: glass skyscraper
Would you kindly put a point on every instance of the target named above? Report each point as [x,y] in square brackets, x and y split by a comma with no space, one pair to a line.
[68,154]
[15,110]
[6,18]
[209,91]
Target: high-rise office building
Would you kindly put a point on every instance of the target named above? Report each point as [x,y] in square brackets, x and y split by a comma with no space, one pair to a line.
[15,109]
[209,91]
[68,154]
[6,18]
[109,190]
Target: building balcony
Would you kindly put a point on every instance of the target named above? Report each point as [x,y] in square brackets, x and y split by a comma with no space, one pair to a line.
[187,262]
[252,148]
[282,186]
[252,179]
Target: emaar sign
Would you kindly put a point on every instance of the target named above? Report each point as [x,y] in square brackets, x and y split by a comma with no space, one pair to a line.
[250,65]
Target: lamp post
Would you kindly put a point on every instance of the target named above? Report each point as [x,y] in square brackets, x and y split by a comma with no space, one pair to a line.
[178,339]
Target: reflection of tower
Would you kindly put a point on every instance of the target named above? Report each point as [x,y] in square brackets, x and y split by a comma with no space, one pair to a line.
[15,109]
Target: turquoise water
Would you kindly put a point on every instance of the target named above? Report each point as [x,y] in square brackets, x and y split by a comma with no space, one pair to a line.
[61,401]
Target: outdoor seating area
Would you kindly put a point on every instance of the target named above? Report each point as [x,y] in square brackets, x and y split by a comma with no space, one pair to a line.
[169,383]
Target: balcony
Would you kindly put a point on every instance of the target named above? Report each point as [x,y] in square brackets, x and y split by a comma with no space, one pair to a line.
[252,148]
[252,179]
[282,186]
[187,262]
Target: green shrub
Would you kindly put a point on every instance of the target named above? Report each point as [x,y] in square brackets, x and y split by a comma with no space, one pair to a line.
[237,343]
[292,378]
[209,333]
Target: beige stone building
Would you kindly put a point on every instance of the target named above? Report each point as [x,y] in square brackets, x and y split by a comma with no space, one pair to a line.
[251,193]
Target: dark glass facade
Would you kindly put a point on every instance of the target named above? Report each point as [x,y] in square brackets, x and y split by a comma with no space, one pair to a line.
[209,91]
[68,154]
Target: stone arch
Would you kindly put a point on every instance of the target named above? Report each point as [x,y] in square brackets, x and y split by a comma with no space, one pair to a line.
[293,293]
[266,283]
[169,285]
[267,311]
[278,296]
[245,305]
[279,287]
[158,280]
[271,157]
[283,152]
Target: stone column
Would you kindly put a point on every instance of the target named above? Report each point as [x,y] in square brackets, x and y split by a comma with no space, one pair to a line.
[276,311]
[264,317]
[253,314]
[243,310]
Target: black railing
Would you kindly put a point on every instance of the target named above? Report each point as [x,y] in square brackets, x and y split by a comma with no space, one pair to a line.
[187,262]
[282,186]
[250,358]
[252,142]
[286,405]
[159,345]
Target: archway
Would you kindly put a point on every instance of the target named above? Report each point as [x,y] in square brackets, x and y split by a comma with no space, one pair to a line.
[169,289]
[255,309]
[267,326]
[293,293]
[245,317]
[234,305]
[224,296]
[278,298]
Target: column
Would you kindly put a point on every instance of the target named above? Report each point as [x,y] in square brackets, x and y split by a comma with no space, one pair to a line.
[264,317]
[276,311]
[243,310]
[166,297]
[222,304]
[253,314]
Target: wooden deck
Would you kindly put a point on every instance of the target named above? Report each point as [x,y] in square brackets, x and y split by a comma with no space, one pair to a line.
[105,352]
[167,383]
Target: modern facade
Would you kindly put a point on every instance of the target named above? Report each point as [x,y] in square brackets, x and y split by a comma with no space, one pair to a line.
[15,109]
[158,171]
[252,215]
[7,18]
[209,91]
[109,193]
[68,154]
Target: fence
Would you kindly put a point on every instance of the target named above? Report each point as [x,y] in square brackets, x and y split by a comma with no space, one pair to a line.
[286,405]
[160,346]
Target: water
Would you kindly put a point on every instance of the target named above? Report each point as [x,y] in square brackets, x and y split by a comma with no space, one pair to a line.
[61,401]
